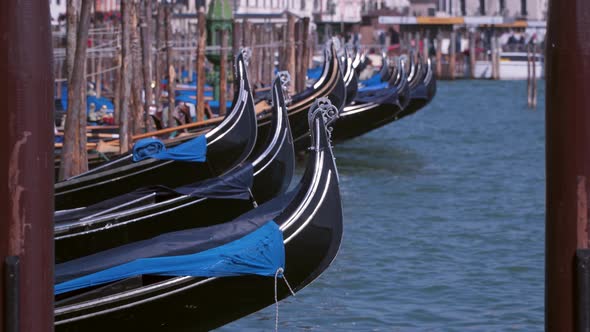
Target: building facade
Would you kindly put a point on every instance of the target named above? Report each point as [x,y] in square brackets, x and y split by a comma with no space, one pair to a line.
[518,9]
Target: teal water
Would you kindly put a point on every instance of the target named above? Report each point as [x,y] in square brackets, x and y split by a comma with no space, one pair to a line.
[444,222]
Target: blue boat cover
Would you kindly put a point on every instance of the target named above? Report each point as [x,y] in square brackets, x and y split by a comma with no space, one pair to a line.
[192,150]
[215,104]
[98,102]
[260,252]
[185,75]
[378,86]
[315,73]
[375,79]
[193,93]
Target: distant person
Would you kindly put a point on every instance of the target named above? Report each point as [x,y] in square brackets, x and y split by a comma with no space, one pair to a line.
[511,40]
[393,37]
[382,39]
[356,39]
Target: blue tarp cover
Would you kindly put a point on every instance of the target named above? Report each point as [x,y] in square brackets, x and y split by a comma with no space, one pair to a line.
[260,252]
[193,93]
[98,102]
[315,73]
[375,79]
[378,86]
[193,150]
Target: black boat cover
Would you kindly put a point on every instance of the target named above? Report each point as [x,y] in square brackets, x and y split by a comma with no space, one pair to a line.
[236,184]
[192,150]
[99,267]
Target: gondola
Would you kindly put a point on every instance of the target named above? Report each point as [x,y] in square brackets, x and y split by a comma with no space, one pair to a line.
[308,221]
[422,88]
[227,145]
[373,108]
[383,76]
[330,85]
[150,211]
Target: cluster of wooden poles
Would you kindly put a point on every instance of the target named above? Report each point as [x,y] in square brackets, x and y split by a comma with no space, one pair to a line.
[125,59]
[452,65]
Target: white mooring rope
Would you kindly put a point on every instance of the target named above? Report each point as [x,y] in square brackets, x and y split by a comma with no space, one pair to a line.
[279,271]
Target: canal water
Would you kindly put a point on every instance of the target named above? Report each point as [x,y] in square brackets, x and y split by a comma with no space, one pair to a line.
[444,222]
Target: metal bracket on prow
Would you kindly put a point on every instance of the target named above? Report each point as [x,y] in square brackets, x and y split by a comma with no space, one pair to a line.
[328,111]
[247,54]
[285,78]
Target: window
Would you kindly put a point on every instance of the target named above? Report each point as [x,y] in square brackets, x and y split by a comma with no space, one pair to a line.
[502,6]
[463,11]
[482,7]
[302,4]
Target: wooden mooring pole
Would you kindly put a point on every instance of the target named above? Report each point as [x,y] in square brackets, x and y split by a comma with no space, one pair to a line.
[170,65]
[495,58]
[26,204]
[291,51]
[452,55]
[223,72]
[534,79]
[472,54]
[567,160]
[438,55]
[528,77]
[201,44]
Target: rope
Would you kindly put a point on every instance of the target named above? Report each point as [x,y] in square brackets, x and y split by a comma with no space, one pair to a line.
[280,270]
[254,203]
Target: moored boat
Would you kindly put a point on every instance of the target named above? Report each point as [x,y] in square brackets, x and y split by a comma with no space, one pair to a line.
[309,220]
[226,145]
[152,210]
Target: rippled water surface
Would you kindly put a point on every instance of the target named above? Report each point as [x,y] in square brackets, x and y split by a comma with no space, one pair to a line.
[444,222]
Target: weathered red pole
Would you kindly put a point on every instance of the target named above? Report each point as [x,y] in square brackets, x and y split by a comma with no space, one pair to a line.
[26,146]
[568,155]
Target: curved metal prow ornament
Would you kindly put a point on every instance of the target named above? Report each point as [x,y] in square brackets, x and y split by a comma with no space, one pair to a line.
[285,78]
[323,106]
[247,54]
[328,111]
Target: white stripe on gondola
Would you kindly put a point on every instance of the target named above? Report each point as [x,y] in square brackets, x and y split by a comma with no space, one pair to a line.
[114,208]
[242,98]
[136,219]
[275,138]
[314,185]
[315,210]
[324,71]
[365,107]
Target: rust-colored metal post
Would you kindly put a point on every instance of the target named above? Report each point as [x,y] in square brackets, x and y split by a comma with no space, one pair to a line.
[26,145]
[568,155]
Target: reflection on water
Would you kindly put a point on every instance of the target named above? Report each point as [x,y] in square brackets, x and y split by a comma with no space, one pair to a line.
[444,222]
